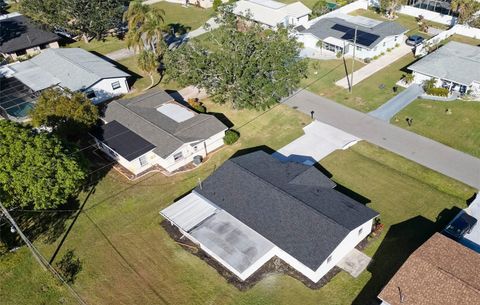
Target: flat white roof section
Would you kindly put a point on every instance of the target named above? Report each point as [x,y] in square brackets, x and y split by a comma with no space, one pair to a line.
[189,211]
[472,239]
[232,241]
[176,112]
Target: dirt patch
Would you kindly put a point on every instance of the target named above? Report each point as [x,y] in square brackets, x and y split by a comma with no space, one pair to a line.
[273,266]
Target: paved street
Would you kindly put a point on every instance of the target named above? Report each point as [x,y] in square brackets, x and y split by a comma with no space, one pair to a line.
[424,151]
[397,103]
[376,65]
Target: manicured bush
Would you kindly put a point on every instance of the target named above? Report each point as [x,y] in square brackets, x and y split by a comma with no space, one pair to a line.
[375,57]
[389,50]
[397,45]
[367,60]
[231,136]
[438,91]
[408,78]
[339,54]
[195,104]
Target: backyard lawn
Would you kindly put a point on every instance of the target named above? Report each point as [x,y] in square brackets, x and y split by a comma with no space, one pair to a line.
[190,18]
[110,44]
[128,258]
[460,129]
[308,3]
[367,95]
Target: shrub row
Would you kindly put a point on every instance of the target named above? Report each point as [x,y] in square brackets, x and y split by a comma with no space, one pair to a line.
[437,91]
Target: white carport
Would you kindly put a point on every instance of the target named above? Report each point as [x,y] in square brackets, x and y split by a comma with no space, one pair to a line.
[319,141]
[189,211]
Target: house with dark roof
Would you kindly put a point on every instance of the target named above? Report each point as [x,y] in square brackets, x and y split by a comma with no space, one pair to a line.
[455,66]
[342,33]
[20,36]
[255,207]
[153,129]
[440,272]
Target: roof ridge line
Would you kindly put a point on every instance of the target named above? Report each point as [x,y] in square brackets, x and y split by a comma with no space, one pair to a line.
[150,123]
[477,290]
[207,117]
[74,63]
[290,195]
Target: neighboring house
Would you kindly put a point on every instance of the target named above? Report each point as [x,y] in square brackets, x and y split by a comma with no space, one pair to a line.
[19,36]
[254,207]
[456,66]
[272,14]
[440,272]
[337,35]
[70,68]
[152,129]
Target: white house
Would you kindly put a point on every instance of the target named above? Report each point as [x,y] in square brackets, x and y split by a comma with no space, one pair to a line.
[337,35]
[455,66]
[255,207]
[152,129]
[71,68]
[272,14]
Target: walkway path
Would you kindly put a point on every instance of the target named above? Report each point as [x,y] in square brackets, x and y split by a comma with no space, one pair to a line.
[397,103]
[424,151]
[376,65]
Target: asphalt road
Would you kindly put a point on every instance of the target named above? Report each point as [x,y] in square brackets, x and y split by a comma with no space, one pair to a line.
[434,155]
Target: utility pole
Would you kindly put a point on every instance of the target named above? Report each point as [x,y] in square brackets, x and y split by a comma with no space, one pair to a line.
[24,238]
[40,259]
[353,59]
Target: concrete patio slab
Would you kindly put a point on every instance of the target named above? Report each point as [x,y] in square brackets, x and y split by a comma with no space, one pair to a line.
[354,262]
[319,141]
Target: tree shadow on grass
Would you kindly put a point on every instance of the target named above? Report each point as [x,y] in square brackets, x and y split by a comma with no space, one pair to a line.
[401,240]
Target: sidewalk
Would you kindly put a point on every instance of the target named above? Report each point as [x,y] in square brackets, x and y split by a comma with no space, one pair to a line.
[376,65]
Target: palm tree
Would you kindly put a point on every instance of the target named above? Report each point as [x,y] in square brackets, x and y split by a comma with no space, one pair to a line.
[465,9]
[145,27]
[147,61]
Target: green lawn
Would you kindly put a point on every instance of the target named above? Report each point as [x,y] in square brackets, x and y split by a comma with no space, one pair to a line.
[460,129]
[308,3]
[140,80]
[127,257]
[110,44]
[464,39]
[367,95]
[190,17]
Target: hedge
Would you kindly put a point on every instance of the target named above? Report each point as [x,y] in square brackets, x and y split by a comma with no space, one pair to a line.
[231,136]
[438,91]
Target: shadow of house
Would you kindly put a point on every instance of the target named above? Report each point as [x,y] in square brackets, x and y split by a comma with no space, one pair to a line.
[400,241]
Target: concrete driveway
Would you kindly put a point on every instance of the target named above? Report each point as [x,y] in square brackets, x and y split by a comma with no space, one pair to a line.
[319,141]
[397,103]
[429,153]
[376,65]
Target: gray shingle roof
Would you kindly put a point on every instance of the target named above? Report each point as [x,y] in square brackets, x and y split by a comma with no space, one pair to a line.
[286,203]
[20,33]
[71,68]
[455,61]
[141,116]
[323,29]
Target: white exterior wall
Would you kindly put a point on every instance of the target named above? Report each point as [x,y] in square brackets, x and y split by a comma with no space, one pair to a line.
[428,15]
[301,20]
[103,89]
[419,78]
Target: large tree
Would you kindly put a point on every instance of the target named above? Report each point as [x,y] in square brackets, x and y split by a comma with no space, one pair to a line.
[145,27]
[466,9]
[252,68]
[320,8]
[36,169]
[89,18]
[390,7]
[147,62]
[66,112]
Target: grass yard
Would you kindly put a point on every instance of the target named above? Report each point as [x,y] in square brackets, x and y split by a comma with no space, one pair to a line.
[464,39]
[367,95]
[127,257]
[140,80]
[190,18]
[460,129]
[110,44]
[308,3]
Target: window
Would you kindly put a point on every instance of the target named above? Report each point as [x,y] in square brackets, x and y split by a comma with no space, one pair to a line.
[360,231]
[116,85]
[359,48]
[329,259]
[90,94]
[143,160]
[178,156]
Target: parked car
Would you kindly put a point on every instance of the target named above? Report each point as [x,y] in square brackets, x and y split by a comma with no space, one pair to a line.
[460,225]
[414,40]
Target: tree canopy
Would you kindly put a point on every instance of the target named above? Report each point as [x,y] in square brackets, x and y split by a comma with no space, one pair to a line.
[91,18]
[64,111]
[390,7]
[320,8]
[466,10]
[36,169]
[250,67]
